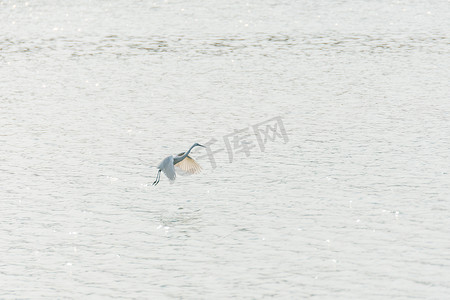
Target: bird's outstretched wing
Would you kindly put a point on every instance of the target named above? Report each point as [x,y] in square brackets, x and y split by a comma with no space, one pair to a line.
[189,165]
[167,167]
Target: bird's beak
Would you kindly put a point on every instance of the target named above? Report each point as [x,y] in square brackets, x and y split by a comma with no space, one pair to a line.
[201,146]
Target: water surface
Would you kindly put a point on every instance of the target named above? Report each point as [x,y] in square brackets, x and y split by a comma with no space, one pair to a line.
[354,205]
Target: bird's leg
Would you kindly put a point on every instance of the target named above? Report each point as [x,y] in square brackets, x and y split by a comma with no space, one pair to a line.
[157,178]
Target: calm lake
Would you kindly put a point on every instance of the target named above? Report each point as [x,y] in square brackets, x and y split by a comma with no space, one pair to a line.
[327,170]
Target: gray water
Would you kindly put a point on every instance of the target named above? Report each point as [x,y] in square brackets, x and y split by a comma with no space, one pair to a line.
[354,205]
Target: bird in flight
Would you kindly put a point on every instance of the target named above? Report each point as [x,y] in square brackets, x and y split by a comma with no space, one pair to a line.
[182,161]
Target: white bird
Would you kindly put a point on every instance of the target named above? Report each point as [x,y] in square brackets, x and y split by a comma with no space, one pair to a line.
[182,161]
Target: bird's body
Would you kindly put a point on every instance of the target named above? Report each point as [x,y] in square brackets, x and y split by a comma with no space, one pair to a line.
[182,160]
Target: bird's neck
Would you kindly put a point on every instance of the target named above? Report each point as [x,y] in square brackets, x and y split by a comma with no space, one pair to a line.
[186,154]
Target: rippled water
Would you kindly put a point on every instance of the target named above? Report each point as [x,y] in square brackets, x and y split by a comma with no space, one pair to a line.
[354,205]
